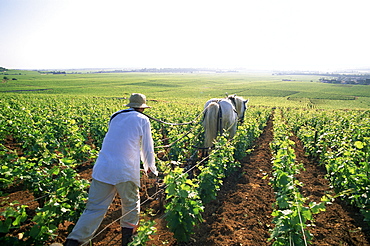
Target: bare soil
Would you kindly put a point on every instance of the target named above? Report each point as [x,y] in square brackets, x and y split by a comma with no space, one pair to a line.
[241,214]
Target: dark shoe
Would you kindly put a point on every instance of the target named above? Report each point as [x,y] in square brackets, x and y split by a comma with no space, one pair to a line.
[71,242]
[126,235]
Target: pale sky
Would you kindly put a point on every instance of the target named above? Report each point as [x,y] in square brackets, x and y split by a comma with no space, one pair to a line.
[252,34]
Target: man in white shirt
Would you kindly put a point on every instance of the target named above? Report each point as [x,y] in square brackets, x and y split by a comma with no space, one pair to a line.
[117,169]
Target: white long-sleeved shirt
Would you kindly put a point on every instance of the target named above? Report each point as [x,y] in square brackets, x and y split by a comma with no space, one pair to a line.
[128,140]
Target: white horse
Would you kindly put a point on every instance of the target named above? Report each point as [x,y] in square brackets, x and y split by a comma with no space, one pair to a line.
[222,114]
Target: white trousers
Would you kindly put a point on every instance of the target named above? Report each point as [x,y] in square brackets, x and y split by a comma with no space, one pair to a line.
[100,197]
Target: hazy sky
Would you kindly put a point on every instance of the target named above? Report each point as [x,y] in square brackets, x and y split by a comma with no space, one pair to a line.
[258,34]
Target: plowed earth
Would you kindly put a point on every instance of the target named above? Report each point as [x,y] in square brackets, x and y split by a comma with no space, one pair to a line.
[241,214]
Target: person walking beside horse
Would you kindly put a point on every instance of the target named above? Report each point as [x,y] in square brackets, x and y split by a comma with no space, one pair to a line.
[117,170]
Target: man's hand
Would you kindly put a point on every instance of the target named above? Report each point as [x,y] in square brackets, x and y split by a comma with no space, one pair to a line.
[151,175]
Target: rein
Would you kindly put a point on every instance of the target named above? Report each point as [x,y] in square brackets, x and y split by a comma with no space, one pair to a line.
[152,118]
[172,124]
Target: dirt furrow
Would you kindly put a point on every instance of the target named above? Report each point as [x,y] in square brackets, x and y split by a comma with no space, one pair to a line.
[341,224]
[241,215]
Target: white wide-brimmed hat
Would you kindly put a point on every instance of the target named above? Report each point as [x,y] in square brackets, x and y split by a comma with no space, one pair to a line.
[137,100]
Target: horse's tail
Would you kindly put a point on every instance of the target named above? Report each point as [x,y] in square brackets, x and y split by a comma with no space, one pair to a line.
[210,120]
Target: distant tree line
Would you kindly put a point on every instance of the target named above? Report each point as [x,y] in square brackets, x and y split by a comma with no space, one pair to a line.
[348,79]
[52,72]
[334,78]
[167,70]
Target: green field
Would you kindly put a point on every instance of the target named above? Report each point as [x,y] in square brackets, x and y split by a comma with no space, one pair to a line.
[262,89]
[53,126]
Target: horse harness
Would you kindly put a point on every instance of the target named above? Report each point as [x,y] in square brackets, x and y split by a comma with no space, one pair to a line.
[219,120]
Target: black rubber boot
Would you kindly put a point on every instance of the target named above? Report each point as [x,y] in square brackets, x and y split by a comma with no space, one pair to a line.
[126,235]
[71,242]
